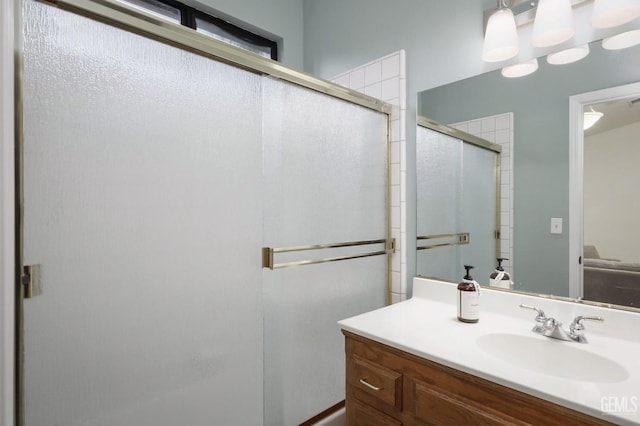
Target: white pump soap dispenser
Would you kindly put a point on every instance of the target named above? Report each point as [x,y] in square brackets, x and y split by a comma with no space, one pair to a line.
[468,298]
[500,278]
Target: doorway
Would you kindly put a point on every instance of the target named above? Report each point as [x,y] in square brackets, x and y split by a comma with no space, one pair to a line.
[577,242]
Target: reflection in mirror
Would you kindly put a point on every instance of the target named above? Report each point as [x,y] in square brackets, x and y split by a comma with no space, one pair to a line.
[611,212]
[539,104]
[457,202]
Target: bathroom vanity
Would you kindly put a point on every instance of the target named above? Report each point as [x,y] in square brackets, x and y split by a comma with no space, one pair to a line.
[387,386]
[414,363]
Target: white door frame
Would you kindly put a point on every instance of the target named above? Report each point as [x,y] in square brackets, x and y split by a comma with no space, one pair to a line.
[576,162]
[8,10]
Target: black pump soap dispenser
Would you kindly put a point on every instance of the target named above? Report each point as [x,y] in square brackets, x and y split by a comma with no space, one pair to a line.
[500,278]
[468,298]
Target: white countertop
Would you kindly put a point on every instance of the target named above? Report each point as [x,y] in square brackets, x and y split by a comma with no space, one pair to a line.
[426,326]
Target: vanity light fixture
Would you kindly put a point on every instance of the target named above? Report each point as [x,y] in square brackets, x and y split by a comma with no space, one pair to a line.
[520,70]
[568,56]
[553,23]
[611,13]
[501,36]
[591,118]
[622,40]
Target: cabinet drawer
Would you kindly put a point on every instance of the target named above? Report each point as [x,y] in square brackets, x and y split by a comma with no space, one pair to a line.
[363,415]
[377,381]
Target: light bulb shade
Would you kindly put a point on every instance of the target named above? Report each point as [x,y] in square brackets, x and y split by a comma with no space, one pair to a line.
[520,70]
[553,23]
[568,56]
[622,41]
[501,37]
[591,118]
[611,13]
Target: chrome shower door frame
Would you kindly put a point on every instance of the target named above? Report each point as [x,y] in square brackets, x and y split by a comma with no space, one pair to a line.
[133,20]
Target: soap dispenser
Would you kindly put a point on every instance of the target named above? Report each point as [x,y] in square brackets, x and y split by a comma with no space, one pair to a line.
[500,278]
[468,298]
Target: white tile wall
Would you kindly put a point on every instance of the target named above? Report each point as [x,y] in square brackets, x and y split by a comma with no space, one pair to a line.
[385,79]
[499,129]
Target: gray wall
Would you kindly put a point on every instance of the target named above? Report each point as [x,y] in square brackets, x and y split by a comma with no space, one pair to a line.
[443,42]
[443,39]
[281,18]
[540,103]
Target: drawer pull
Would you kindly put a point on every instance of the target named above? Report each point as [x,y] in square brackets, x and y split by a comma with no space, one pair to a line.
[369,385]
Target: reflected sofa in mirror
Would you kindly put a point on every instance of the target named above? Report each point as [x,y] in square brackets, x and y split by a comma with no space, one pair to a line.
[539,104]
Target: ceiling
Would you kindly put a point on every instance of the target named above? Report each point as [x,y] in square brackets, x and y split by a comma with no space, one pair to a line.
[616,114]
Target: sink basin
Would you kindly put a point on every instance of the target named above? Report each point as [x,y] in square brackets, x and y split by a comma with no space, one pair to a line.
[552,357]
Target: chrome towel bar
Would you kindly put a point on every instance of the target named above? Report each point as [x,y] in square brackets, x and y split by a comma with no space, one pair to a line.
[268,253]
[461,238]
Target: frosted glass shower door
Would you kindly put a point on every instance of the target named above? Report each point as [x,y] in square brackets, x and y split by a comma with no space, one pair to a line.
[479,208]
[325,182]
[143,208]
[456,194]
[439,203]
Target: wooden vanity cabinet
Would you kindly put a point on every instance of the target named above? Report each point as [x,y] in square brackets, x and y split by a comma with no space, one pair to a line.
[386,386]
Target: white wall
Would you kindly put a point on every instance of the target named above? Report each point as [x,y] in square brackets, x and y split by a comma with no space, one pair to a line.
[282,18]
[611,202]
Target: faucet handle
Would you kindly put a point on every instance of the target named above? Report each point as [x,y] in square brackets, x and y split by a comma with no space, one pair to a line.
[541,317]
[577,327]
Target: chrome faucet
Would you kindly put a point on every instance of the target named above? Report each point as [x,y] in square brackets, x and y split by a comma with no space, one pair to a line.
[549,327]
[553,329]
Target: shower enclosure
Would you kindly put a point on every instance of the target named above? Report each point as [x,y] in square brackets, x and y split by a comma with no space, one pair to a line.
[458,206]
[194,222]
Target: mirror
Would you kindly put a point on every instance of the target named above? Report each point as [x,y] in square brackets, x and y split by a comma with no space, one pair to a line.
[458,182]
[539,179]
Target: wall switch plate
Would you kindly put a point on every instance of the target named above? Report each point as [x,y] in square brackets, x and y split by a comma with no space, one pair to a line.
[556,225]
